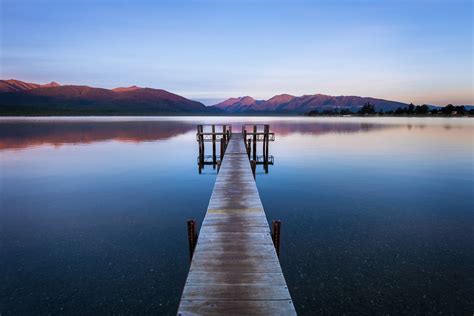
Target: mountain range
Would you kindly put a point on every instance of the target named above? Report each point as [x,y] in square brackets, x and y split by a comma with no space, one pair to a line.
[285,103]
[23,98]
[17,97]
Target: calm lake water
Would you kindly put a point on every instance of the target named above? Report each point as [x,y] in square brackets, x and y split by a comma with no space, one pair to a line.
[377,213]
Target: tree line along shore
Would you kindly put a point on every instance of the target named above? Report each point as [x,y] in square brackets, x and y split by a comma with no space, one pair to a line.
[411,110]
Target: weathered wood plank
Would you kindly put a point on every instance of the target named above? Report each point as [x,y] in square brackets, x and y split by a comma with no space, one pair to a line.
[245,265]
[223,278]
[231,256]
[235,247]
[229,292]
[239,236]
[234,228]
[242,221]
[207,307]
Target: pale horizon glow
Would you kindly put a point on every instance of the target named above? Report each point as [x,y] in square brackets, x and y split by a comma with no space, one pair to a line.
[411,51]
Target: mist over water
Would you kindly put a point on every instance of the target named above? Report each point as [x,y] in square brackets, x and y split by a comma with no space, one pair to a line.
[377,213]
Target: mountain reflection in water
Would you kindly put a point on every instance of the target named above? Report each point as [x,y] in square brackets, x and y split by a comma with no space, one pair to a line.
[20,134]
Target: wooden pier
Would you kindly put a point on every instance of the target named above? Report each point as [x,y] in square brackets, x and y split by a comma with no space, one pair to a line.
[235,268]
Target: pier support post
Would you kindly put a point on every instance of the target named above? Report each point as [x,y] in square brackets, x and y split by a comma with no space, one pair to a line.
[276,231]
[244,133]
[222,148]
[192,237]
[253,164]
[255,142]
[201,147]
[248,147]
[213,146]
[265,146]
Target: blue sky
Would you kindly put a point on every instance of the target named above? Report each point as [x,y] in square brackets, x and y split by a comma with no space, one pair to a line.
[412,51]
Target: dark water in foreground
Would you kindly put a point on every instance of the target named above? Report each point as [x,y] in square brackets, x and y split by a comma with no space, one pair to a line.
[377,214]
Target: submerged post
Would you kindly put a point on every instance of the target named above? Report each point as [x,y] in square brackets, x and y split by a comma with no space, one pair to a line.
[276,230]
[192,237]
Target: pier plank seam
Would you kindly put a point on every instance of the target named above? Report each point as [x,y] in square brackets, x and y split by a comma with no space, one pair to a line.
[235,269]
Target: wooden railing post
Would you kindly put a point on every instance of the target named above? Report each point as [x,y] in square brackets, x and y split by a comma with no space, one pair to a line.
[276,232]
[192,237]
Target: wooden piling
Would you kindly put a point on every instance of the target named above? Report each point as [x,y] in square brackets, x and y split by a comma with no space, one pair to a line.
[266,138]
[200,137]
[192,237]
[276,233]
[249,145]
[222,147]
[224,133]
[253,164]
[255,142]
[213,146]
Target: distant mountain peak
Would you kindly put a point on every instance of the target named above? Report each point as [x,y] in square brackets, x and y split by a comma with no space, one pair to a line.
[125,89]
[240,101]
[281,98]
[51,84]
[247,100]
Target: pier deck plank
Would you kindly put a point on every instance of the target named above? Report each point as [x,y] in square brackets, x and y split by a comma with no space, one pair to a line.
[235,269]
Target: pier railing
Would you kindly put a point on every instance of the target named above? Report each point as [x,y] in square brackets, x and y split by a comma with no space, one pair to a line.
[253,133]
[220,134]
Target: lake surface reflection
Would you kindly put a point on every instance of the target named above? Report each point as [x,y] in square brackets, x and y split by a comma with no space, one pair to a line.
[377,213]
